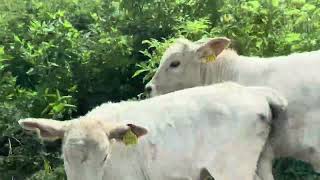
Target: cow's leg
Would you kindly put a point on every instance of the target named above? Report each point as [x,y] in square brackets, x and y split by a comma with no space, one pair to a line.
[264,168]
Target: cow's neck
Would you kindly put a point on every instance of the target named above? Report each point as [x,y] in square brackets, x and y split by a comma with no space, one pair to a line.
[229,66]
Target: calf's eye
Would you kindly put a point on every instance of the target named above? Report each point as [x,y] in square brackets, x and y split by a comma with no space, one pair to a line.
[174,64]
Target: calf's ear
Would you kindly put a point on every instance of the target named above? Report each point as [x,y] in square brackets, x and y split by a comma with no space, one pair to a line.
[121,132]
[47,129]
[213,47]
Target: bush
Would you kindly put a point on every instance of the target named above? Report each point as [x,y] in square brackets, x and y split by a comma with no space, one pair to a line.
[257,28]
[57,60]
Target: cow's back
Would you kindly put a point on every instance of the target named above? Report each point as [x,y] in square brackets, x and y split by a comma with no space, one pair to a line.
[185,127]
[297,77]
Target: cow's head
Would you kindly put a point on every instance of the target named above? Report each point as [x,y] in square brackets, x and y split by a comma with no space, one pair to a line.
[180,65]
[86,143]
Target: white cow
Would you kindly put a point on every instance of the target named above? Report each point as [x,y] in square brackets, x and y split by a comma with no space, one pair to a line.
[296,76]
[221,128]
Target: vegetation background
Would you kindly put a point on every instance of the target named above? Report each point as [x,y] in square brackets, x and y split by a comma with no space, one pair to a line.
[61,58]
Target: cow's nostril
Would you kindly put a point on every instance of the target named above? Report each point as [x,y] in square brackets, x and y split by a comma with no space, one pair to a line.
[148,89]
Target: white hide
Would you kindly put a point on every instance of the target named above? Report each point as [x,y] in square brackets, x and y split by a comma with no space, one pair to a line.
[296,76]
[222,128]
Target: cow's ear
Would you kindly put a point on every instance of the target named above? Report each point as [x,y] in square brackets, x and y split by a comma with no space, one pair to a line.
[213,47]
[47,129]
[127,133]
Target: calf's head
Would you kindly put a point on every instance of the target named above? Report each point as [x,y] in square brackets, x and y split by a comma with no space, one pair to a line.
[86,143]
[180,65]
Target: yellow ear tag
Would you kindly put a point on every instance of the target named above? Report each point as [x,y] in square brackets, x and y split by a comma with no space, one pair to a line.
[210,58]
[130,138]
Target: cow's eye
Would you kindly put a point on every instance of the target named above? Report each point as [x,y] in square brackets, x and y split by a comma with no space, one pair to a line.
[175,64]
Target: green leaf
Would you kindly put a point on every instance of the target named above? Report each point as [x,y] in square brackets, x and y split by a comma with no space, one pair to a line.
[309,7]
[1,51]
[292,37]
[58,108]
[298,3]
[253,6]
[30,71]
[275,3]
[67,24]
[53,64]
[47,167]
[139,72]
[17,39]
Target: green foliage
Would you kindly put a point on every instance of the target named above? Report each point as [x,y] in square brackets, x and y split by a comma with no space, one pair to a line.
[154,53]
[288,168]
[57,60]
[61,58]
[49,174]
[257,28]
[271,28]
